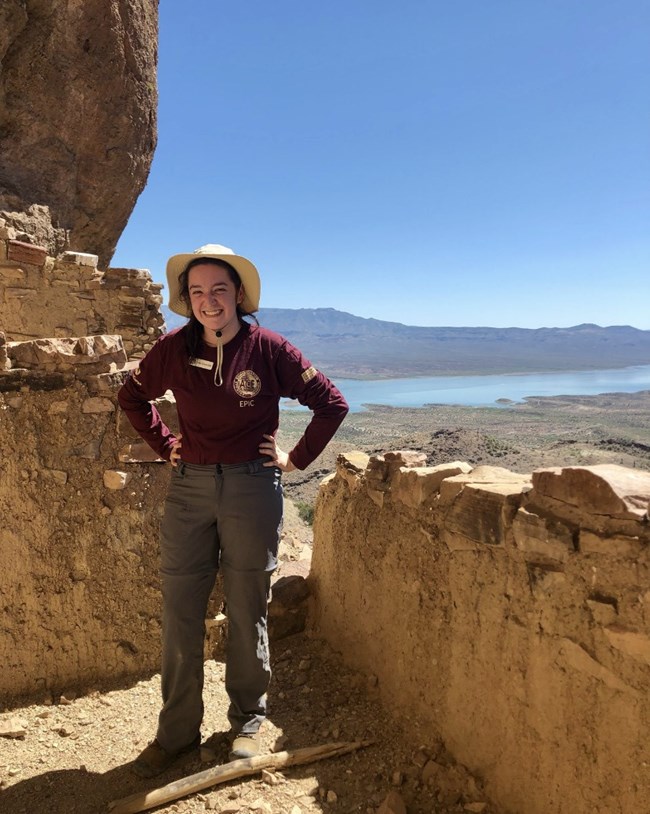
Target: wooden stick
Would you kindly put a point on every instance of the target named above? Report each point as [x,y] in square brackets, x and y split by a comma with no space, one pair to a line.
[229,771]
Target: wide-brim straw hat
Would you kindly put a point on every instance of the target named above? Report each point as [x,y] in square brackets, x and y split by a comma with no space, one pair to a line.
[177,264]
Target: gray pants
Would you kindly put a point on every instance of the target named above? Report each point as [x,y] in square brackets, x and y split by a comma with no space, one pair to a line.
[224,517]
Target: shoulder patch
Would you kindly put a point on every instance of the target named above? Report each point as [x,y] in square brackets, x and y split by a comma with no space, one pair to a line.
[309,374]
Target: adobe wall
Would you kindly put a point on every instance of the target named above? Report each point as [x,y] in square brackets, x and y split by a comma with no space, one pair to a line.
[80,500]
[509,613]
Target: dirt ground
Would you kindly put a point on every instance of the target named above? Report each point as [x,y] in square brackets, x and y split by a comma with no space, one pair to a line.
[72,755]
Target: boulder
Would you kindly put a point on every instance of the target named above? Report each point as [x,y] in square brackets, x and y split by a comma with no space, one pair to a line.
[78,103]
[604,489]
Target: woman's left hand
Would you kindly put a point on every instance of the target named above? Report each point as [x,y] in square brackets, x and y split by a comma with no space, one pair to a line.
[278,457]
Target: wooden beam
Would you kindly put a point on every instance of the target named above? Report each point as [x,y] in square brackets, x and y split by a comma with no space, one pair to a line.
[142,801]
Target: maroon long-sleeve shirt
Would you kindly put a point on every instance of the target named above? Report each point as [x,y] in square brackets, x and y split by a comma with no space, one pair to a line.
[226,424]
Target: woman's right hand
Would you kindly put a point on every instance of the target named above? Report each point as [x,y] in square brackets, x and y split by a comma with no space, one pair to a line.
[175,455]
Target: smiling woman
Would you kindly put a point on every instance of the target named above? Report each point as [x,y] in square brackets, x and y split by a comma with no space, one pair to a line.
[224,506]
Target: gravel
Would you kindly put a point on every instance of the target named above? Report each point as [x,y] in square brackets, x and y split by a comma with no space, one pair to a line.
[73,756]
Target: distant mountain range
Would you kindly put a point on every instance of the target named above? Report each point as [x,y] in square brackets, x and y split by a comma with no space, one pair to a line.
[344,345]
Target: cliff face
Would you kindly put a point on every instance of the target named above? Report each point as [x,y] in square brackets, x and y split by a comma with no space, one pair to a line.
[78,103]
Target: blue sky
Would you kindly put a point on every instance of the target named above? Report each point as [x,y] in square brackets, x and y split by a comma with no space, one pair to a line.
[426,162]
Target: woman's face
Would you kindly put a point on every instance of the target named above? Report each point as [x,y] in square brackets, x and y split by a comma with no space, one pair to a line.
[214,300]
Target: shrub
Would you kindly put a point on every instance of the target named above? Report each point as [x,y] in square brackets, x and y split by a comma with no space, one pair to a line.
[305,512]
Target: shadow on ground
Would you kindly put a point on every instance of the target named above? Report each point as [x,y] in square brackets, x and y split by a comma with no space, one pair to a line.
[314,700]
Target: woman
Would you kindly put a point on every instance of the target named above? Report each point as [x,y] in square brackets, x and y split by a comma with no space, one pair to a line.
[224,505]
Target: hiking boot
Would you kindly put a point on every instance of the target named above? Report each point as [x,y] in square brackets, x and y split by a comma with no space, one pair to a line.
[245,746]
[155,760]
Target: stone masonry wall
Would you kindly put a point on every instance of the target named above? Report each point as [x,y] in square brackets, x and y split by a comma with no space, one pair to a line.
[80,493]
[69,296]
[507,613]
[80,507]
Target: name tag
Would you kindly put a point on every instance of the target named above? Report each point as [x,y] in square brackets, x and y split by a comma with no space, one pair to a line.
[204,364]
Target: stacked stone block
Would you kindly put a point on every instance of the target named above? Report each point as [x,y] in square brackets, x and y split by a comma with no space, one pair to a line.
[68,296]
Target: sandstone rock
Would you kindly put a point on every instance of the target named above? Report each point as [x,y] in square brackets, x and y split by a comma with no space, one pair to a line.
[13,728]
[80,259]
[412,486]
[89,450]
[542,537]
[55,475]
[350,466]
[604,613]
[421,758]
[288,606]
[291,588]
[575,657]
[605,489]
[260,805]
[392,804]
[139,452]
[97,405]
[33,224]
[546,582]
[20,252]
[377,496]
[115,480]
[633,644]
[615,545]
[354,460]
[432,771]
[94,352]
[78,94]
[482,513]
[405,458]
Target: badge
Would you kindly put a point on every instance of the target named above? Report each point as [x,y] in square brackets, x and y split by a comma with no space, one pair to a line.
[247,384]
[204,364]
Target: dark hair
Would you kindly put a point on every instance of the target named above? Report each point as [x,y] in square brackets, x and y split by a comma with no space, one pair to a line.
[194,329]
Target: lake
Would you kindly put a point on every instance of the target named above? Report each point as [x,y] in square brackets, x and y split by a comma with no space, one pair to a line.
[483,391]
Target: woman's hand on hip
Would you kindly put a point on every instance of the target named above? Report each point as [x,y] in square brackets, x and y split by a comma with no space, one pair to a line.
[278,457]
[175,455]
